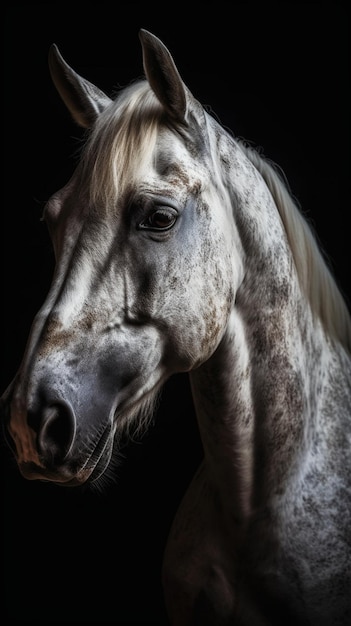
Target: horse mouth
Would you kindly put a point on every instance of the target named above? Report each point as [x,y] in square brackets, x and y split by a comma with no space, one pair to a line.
[91,470]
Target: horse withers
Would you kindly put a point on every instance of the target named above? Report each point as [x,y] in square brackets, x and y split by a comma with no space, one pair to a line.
[179,249]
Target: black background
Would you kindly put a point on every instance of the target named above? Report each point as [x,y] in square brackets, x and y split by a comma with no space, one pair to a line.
[276,74]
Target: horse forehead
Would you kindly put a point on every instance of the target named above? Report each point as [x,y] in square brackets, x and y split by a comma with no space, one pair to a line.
[177,160]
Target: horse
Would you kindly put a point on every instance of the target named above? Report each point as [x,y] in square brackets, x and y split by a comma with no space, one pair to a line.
[180,249]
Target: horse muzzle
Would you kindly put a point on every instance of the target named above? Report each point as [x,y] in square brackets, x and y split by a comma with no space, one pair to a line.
[49,444]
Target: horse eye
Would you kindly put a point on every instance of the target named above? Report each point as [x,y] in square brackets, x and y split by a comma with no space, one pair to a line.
[161,219]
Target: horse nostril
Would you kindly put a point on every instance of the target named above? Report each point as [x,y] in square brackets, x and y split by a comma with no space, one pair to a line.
[56,432]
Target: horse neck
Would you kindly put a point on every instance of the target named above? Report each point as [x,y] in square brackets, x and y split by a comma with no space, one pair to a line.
[255,401]
[255,397]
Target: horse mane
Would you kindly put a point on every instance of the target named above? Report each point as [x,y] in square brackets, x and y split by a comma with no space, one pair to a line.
[315,276]
[121,142]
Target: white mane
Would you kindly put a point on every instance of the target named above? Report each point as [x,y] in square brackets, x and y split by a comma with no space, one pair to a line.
[121,140]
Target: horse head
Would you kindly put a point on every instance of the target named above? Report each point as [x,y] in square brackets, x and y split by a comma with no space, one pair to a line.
[139,290]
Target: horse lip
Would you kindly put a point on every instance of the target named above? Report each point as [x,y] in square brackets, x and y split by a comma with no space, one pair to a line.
[31,471]
[90,471]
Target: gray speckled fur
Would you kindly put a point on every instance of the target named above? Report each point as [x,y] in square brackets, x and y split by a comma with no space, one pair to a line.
[262,536]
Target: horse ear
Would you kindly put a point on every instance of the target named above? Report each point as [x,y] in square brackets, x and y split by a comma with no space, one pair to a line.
[83,100]
[163,76]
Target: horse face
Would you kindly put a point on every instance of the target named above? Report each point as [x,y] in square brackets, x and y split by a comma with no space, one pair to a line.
[139,292]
